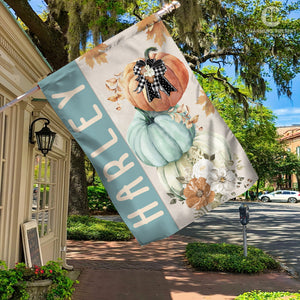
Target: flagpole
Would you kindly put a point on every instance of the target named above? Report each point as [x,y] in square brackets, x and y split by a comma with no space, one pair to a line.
[166,9]
[163,11]
[20,98]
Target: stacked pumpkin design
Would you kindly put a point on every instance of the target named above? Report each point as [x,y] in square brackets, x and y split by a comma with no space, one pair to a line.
[163,134]
[154,85]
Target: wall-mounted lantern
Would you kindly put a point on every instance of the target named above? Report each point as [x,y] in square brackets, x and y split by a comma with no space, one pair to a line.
[44,138]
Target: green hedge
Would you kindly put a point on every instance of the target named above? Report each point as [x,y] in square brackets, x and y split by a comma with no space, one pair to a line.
[91,228]
[259,295]
[228,258]
[99,200]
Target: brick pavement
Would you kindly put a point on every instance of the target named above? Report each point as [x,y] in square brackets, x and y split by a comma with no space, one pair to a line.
[157,271]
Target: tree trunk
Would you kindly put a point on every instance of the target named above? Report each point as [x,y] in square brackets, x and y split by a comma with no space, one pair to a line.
[257,187]
[78,203]
[45,35]
[298,180]
[51,40]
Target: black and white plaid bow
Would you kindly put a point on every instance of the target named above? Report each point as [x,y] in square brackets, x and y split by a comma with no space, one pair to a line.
[157,69]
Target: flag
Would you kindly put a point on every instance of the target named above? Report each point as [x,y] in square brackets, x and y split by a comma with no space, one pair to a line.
[162,151]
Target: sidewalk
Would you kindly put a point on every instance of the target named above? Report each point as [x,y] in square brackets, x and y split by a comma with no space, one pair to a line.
[157,271]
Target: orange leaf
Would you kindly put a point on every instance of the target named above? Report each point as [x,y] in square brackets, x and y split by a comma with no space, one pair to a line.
[158,32]
[119,74]
[120,96]
[109,88]
[113,98]
[209,107]
[202,98]
[194,119]
[111,84]
[146,22]
[96,54]
[111,81]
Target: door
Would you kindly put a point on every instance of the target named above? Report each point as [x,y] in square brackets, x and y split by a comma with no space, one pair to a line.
[277,196]
[47,202]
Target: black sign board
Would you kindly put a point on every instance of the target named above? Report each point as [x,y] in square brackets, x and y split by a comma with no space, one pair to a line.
[31,243]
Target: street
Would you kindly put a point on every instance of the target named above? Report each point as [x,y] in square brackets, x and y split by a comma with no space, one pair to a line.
[273,227]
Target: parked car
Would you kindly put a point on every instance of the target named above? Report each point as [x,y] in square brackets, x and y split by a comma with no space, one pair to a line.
[281,196]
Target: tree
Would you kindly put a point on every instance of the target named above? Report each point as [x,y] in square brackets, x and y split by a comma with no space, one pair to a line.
[220,32]
[67,26]
[255,36]
[288,163]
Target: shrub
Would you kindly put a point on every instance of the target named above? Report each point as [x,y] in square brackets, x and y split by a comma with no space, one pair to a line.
[259,295]
[228,258]
[99,200]
[91,228]
[13,281]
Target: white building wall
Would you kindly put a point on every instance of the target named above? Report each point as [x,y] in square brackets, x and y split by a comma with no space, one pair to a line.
[21,67]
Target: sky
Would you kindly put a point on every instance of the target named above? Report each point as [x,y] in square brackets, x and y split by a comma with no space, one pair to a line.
[286,110]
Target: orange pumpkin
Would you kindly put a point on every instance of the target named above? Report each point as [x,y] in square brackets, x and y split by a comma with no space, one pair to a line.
[176,74]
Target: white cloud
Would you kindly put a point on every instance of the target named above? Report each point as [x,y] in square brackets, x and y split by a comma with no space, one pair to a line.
[287,111]
[287,116]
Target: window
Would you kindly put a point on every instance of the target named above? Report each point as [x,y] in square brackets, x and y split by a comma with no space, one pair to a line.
[44,193]
[298,151]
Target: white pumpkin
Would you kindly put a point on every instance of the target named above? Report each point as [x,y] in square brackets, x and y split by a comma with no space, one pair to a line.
[209,150]
[169,173]
[213,147]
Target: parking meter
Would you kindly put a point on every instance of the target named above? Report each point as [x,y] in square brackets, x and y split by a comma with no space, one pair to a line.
[244,219]
[244,214]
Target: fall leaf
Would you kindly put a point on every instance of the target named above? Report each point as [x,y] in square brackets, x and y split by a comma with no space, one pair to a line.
[209,108]
[111,81]
[187,110]
[178,118]
[113,98]
[189,125]
[158,32]
[109,88]
[96,54]
[181,108]
[120,96]
[202,98]
[146,22]
[194,119]
[111,84]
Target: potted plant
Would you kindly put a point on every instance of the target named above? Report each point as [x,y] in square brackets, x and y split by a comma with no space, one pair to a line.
[46,282]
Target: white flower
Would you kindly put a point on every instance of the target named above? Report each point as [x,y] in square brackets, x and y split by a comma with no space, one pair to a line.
[202,168]
[222,180]
[149,71]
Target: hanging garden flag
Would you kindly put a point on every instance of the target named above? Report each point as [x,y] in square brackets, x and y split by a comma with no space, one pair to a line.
[159,146]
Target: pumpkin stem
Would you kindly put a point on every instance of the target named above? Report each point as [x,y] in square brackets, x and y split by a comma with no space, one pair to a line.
[149,120]
[147,51]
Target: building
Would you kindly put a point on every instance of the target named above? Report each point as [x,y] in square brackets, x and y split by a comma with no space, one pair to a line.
[290,135]
[32,186]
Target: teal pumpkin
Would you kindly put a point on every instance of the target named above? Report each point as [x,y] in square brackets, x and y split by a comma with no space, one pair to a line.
[157,139]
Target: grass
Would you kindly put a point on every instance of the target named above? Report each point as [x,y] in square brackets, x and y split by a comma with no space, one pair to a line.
[259,295]
[91,228]
[228,258]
